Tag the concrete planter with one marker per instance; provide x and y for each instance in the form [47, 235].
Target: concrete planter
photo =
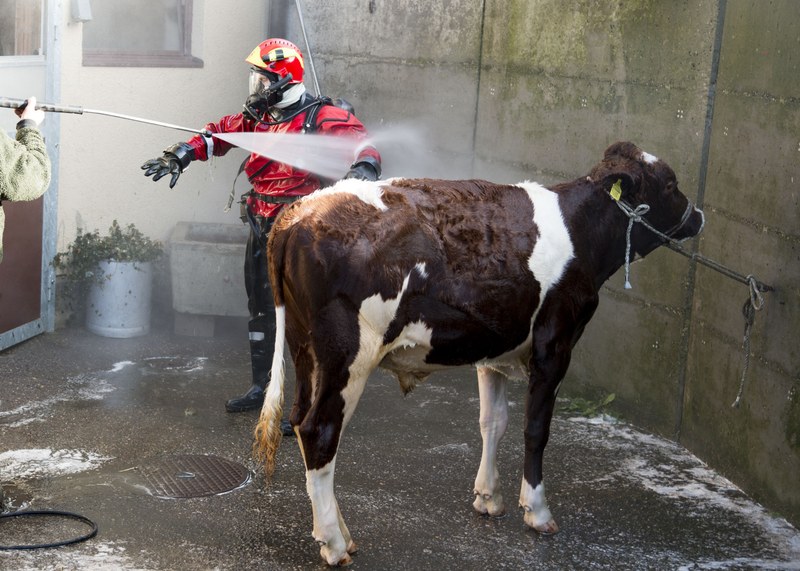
[119, 306]
[206, 267]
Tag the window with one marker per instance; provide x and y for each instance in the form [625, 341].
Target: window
[140, 33]
[21, 27]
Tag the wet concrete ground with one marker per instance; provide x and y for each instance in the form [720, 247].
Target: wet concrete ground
[82, 416]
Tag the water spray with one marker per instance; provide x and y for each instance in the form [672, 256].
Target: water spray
[58, 108]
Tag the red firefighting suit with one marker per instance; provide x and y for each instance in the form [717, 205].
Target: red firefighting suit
[273, 179]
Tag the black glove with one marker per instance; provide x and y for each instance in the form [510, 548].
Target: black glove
[364, 170]
[174, 161]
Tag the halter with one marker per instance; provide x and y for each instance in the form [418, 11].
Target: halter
[637, 215]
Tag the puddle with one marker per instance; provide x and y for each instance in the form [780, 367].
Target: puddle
[14, 497]
[95, 386]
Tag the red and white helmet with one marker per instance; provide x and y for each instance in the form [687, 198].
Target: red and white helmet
[280, 57]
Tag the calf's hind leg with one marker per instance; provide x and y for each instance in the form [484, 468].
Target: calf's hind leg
[339, 388]
[319, 435]
[493, 422]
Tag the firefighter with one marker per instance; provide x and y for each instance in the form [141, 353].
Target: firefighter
[278, 102]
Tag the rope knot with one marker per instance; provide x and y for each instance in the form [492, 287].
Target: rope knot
[634, 215]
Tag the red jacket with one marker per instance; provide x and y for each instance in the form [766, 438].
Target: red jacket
[269, 177]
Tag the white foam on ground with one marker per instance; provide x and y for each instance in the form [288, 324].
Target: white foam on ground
[689, 478]
[38, 462]
[119, 366]
[192, 365]
[87, 387]
[80, 388]
[91, 556]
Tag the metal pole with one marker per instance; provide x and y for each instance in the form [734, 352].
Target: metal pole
[57, 108]
[308, 47]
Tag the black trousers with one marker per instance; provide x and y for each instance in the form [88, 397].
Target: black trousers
[259, 300]
[256, 269]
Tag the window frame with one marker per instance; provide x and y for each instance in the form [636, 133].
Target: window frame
[155, 58]
[25, 59]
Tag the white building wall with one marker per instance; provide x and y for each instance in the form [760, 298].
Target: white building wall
[100, 157]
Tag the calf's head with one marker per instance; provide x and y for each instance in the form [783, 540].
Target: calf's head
[644, 179]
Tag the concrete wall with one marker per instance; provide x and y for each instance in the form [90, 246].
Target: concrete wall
[536, 89]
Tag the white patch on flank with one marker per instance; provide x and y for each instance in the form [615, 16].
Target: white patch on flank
[38, 462]
[553, 249]
[374, 317]
[377, 313]
[648, 158]
[422, 270]
[365, 190]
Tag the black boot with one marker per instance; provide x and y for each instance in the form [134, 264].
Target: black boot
[251, 400]
[262, 343]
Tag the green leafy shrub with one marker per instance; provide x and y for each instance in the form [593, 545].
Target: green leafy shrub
[79, 263]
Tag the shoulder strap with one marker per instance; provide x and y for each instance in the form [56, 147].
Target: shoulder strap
[310, 124]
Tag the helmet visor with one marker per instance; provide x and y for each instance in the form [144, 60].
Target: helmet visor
[260, 82]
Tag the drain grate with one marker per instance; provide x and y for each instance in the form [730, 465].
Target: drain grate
[194, 476]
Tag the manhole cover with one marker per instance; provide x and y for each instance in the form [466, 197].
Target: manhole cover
[194, 476]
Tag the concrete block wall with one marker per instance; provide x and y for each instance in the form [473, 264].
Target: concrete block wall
[509, 90]
[753, 212]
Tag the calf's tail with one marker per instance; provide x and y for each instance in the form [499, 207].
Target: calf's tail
[268, 430]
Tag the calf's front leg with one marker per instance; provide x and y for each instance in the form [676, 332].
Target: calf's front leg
[548, 368]
[493, 422]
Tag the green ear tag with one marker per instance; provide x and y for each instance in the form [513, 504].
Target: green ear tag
[616, 190]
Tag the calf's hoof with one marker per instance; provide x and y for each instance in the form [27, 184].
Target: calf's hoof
[333, 559]
[489, 505]
[548, 527]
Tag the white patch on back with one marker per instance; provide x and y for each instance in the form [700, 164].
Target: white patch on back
[648, 158]
[367, 191]
[553, 249]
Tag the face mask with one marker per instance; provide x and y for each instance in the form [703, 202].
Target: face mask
[260, 83]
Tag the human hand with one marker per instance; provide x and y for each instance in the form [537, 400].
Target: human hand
[29, 111]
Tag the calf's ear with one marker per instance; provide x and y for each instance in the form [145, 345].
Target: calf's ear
[621, 185]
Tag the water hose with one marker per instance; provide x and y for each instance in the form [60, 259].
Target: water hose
[51, 513]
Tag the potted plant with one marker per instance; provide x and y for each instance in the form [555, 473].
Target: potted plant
[117, 270]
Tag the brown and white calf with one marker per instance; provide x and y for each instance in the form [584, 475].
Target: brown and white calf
[418, 275]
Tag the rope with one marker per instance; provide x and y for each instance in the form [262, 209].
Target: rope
[83, 519]
[753, 303]
[634, 215]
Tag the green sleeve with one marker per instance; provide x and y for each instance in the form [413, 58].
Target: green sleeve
[24, 165]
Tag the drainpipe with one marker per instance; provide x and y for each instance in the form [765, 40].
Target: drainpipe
[686, 329]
